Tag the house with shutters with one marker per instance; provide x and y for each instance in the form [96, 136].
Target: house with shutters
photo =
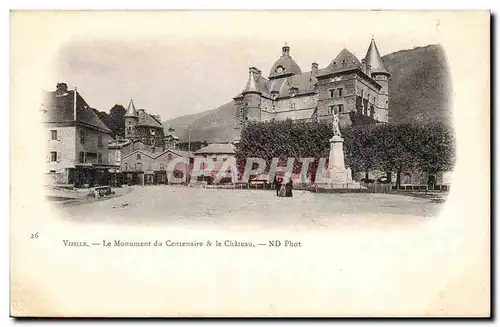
[77, 140]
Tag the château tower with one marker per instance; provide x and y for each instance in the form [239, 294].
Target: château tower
[131, 120]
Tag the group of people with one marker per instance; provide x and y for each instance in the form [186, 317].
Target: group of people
[283, 189]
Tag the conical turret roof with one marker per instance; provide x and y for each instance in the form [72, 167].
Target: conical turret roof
[373, 59]
[251, 84]
[131, 112]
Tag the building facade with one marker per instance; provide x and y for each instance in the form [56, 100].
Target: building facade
[345, 85]
[140, 125]
[145, 168]
[77, 140]
[220, 155]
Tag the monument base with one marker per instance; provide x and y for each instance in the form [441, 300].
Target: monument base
[335, 178]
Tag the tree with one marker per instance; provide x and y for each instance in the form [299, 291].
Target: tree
[359, 146]
[436, 147]
[117, 119]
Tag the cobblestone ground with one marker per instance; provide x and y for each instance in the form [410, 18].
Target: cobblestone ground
[181, 205]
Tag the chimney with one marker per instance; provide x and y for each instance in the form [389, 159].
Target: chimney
[314, 68]
[61, 88]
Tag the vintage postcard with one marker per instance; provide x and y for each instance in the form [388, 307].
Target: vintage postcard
[250, 164]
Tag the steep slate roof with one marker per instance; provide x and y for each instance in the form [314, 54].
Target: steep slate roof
[60, 109]
[131, 112]
[344, 61]
[251, 84]
[373, 59]
[146, 119]
[217, 148]
[306, 82]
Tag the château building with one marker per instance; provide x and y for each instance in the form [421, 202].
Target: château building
[345, 85]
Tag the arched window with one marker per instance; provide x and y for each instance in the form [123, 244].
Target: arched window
[138, 156]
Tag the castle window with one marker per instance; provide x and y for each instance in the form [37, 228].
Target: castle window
[129, 129]
[152, 141]
[53, 156]
[99, 141]
[169, 156]
[152, 149]
[340, 91]
[332, 93]
[129, 122]
[152, 131]
[126, 166]
[341, 108]
[99, 157]
[138, 156]
[53, 135]
[331, 110]
[82, 136]
[81, 157]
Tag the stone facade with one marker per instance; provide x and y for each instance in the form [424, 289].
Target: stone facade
[345, 85]
[77, 140]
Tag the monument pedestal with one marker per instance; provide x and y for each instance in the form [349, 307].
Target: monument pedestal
[339, 175]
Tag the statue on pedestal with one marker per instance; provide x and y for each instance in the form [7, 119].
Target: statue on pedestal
[335, 125]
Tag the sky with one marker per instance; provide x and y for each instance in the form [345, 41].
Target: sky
[174, 63]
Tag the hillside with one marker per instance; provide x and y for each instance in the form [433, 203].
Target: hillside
[419, 86]
[419, 91]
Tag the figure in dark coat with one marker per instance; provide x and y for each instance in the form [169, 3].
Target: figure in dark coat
[278, 185]
[289, 187]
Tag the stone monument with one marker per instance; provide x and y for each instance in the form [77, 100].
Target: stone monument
[340, 176]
